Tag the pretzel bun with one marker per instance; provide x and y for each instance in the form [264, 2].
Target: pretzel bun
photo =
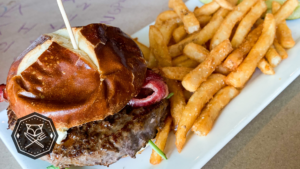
[74, 87]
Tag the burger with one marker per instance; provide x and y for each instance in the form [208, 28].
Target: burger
[104, 102]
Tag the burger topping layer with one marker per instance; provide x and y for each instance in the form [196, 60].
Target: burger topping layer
[157, 85]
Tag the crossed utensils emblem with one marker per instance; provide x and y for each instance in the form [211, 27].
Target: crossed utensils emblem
[35, 134]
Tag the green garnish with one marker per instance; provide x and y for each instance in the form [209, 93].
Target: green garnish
[170, 95]
[52, 167]
[205, 1]
[158, 151]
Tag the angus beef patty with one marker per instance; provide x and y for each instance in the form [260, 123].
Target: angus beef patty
[105, 141]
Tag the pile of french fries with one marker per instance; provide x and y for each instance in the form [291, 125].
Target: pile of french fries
[207, 56]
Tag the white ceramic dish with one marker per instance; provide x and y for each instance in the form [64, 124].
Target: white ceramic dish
[257, 94]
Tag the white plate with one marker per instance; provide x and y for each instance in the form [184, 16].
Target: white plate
[257, 94]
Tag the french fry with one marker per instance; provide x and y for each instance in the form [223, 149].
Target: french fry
[281, 51]
[273, 57]
[233, 2]
[145, 50]
[225, 4]
[211, 112]
[176, 73]
[177, 101]
[238, 55]
[190, 22]
[194, 79]
[203, 35]
[229, 22]
[188, 63]
[275, 7]
[165, 16]
[179, 33]
[204, 20]
[158, 47]
[207, 9]
[161, 139]
[265, 67]
[284, 35]
[285, 11]
[239, 78]
[179, 59]
[223, 70]
[247, 23]
[195, 52]
[167, 29]
[193, 108]
[152, 63]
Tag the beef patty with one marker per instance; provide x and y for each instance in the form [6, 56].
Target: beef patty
[105, 141]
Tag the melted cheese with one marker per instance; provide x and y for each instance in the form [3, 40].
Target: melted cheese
[62, 134]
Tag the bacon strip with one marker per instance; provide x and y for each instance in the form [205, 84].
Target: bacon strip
[3, 95]
[160, 91]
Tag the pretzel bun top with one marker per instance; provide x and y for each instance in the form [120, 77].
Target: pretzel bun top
[74, 87]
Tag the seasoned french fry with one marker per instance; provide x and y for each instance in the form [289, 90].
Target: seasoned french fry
[195, 52]
[203, 35]
[177, 101]
[188, 63]
[152, 63]
[207, 9]
[285, 11]
[229, 22]
[281, 51]
[158, 47]
[238, 55]
[204, 20]
[176, 73]
[239, 78]
[211, 112]
[275, 7]
[223, 70]
[225, 4]
[247, 23]
[166, 15]
[179, 59]
[145, 50]
[190, 22]
[265, 67]
[167, 29]
[179, 33]
[193, 108]
[194, 79]
[161, 139]
[273, 57]
[284, 35]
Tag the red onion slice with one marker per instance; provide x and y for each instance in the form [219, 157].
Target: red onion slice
[160, 91]
[3, 96]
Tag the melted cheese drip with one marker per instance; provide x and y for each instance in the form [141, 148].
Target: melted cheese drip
[62, 134]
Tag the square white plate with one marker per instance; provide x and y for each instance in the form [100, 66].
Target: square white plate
[257, 94]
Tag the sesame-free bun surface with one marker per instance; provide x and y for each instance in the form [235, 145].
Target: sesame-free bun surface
[74, 87]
